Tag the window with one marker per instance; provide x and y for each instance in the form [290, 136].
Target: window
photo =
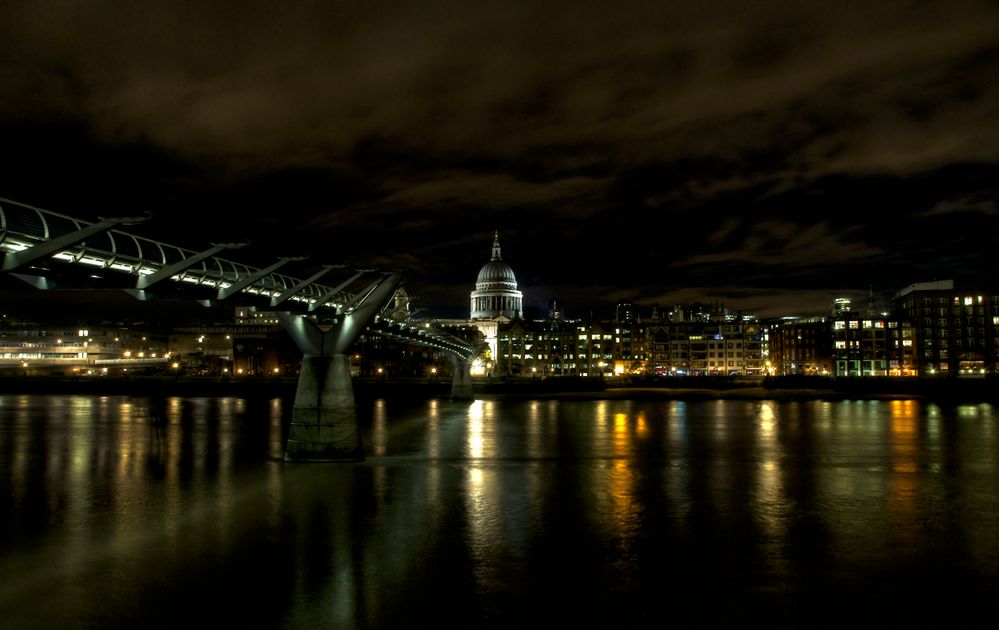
[840, 325]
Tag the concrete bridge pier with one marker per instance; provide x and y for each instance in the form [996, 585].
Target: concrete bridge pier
[323, 419]
[461, 384]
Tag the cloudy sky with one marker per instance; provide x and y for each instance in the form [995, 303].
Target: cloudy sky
[766, 154]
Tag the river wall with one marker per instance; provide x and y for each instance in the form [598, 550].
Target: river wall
[796, 388]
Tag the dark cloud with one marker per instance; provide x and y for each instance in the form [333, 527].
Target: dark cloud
[637, 149]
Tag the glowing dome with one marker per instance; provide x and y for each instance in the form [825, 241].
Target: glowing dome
[496, 293]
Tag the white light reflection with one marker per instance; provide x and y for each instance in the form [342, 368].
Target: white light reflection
[379, 431]
[433, 429]
[225, 498]
[482, 496]
[676, 476]
[275, 441]
[770, 504]
[275, 451]
[81, 455]
[534, 450]
[474, 441]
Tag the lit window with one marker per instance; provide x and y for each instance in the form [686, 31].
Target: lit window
[839, 325]
[854, 324]
[867, 323]
[968, 301]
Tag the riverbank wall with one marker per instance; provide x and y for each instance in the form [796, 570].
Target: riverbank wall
[687, 388]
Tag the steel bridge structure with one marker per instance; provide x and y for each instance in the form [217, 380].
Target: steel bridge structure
[53, 251]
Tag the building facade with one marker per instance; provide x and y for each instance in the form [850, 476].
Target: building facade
[956, 332]
[800, 346]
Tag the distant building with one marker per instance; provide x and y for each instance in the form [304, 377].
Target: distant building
[864, 344]
[494, 301]
[723, 348]
[956, 331]
[570, 348]
[800, 346]
[624, 313]
[34, 348]
[496, 294]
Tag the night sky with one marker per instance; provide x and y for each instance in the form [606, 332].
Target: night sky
[768, 154]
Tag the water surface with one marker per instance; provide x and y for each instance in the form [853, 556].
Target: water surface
[118, 511]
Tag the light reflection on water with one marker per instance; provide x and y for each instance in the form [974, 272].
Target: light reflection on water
[125, 511]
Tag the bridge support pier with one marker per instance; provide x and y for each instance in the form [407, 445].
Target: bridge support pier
[461, 384]
[323, 419]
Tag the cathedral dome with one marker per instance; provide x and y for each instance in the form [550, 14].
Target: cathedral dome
[496, 271]
[496, 293]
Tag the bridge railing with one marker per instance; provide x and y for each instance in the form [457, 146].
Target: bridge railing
[23, 226]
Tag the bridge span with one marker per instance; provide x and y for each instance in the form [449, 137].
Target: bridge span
[53, 251]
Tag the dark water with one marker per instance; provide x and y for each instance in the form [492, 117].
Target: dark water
[166, 513]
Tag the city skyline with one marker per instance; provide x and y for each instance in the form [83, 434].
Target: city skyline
[770, 158]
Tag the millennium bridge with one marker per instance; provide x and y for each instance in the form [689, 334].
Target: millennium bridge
[53, 251]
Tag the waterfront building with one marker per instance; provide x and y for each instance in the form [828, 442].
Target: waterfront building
[555, 347]
[956, 332]
[868, 344]
[35, 348]
[725, 345]
[800, 346]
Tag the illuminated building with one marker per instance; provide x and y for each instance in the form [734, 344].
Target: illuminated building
[34, 348]
[871, 345]
[732, 345]
[495, 300]
[555, 347]
[956, 331]
[496, 293]
[800, 346]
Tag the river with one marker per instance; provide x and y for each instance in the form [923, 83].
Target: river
[166, 512]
